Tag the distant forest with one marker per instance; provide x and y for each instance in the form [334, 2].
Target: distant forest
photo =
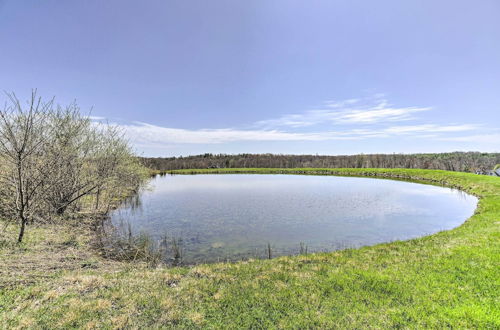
[455, 161]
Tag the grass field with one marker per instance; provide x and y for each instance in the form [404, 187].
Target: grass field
[449, 279]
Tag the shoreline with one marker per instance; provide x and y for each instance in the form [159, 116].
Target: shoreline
[445, 279]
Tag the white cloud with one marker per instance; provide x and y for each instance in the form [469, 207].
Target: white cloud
[379, 114]
[97, 118]
[352, 111]
[349, 119]
[142, 134]
[147, 134]
[430, 128]
[493, 138]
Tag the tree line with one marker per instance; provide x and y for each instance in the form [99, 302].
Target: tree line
[454, 161]
[56, 162]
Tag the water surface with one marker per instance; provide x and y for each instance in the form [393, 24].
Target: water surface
[236, 216]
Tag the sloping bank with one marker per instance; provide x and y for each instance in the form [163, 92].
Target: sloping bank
[449, 279]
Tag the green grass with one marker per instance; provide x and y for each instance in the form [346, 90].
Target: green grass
[449, 279]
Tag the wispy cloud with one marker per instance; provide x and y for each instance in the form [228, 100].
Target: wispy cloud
[147, 134]
[493, 138]
[353, 119]
[430, 128]
[97, 118]
[352, 111]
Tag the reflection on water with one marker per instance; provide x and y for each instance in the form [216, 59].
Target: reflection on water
[236, 216]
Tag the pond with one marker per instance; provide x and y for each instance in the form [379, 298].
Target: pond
[238, 216]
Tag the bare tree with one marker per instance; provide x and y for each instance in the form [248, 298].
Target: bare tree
[23, 141]
[90, 158]
[72, 148]
[54, 158]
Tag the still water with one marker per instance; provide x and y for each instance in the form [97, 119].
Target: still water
[236, 216]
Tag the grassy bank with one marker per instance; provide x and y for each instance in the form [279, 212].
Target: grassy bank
[449, 279]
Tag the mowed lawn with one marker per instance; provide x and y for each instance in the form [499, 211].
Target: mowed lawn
[449, 279]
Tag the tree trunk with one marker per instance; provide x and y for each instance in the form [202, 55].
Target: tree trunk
[61, 210]
[97, 195]
[21, 232]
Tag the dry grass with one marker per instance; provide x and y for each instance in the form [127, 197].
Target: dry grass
[47, 250]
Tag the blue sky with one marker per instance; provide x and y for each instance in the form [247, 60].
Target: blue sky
[327, 77]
